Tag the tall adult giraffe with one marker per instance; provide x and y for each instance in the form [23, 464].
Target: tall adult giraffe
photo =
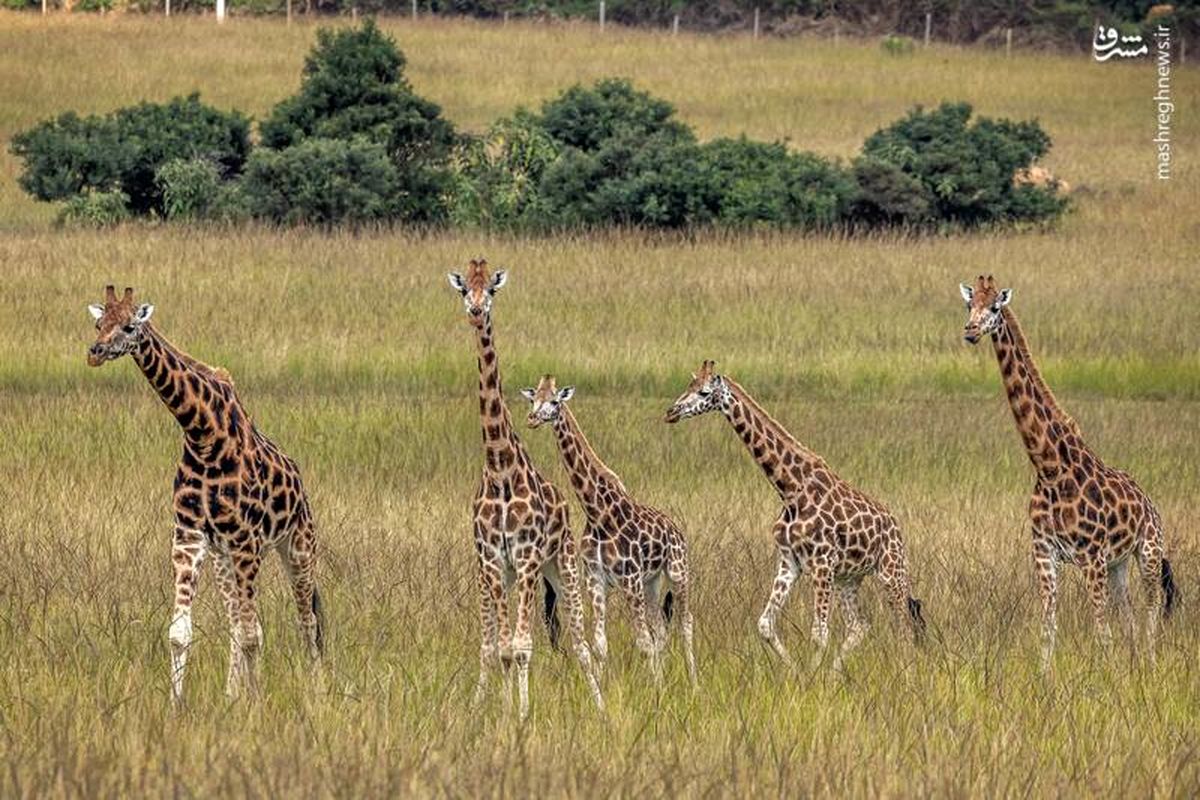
[522, 528]
[827, 528]
[625, 543]
[236, 496]
[1083, 511]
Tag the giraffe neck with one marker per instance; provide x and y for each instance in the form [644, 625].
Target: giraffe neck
[500, 442]
[786, 463]
[588, 473]
[196, 394]
[1043, 425]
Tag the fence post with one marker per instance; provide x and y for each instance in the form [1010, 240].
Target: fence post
[674, 24]
[43, 8]
[289, 12]
[506, 18]
[220, 11]
[756, 22]
[1008, 42]
[166, 7]
[602, 16]
[928, 26]
[354, 13]
[414, 10]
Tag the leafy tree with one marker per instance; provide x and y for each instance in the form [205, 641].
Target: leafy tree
[965, 169]
[353, 88]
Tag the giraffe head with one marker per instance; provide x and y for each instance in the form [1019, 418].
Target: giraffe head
[984, 304]
[477, 289]
[119, 325]
[546, 401]
[708, 391]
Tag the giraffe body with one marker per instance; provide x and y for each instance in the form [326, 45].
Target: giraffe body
[521, 522]
[626, 545]
[236, 495]
[1083, 512]
[826, 529]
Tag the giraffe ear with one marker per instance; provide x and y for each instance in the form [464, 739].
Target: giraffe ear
[96, 311]
[457, 282]
[498, 280]
[528, 394]
[566, 393]
[967, 292]
[143, 313]
[1004, 298]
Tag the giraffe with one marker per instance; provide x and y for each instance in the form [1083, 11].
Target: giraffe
[1082, 511]
[826, 528]
[236, 494]
[521, 523]
[625, 543]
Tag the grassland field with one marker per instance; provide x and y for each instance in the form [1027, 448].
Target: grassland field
[353, 354]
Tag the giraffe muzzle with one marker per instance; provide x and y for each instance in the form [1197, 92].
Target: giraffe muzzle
[97, 354]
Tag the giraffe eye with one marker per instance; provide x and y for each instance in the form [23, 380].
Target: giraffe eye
[127, 329]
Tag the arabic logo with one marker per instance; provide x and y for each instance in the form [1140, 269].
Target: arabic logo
[1105, 45]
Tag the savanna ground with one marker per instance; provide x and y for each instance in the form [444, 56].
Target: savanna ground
[353, 353]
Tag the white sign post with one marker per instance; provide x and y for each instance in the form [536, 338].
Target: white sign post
[220, 10]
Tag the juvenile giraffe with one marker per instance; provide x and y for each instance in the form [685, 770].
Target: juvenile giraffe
[827, 528]
[522, 530]
[236, 494]
[1083, 511]
[625, 543]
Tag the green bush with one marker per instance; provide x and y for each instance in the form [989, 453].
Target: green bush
[94, 209]
[765, 183]
[498, 176]
[323, 182]
[124, 150]
[190, 188]
[888, 195]
[353, 88]
[586, 118]
[966, 169]
[630, 180]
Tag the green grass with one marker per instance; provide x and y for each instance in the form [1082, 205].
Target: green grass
[351, 351]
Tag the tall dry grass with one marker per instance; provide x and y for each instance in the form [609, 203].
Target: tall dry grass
[351, 352]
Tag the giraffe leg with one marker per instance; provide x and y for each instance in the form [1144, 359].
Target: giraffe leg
[491, 597]
[785, 578]
[298, 554]
[568, 575]
[634, 589]
[680, 584]
[1150, 564]
[598, 590]
[1118, 593]
[187, 555]
[856, 624]
[246, 564]
[1046, 565]
[522, 638]
[822, 602]
[223, 569]
[1095, 575]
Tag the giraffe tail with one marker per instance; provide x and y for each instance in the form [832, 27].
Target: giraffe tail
[917, 619]
[319, 612]
[668, 606]
[550, 613]
[1170, 592]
